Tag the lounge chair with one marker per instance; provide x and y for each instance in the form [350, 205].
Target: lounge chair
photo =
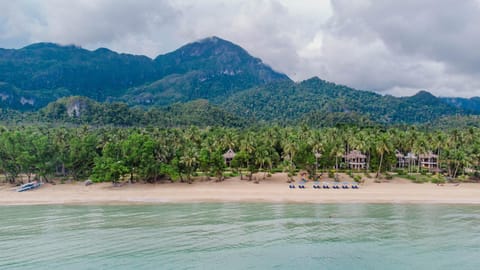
[335, 186]
[354, 186]
[345, 185]
[291, 186]
[316, 185]
[301, 185]
[326, 185]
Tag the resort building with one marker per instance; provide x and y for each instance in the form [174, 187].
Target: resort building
[228, 156]
[401, 163]
[355, 160]
[404, 161]
[428, 161]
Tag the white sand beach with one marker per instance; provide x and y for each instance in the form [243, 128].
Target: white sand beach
[272, 189]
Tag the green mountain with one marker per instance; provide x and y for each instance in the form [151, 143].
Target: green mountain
[37, 74]
[41, 69]
[472, 104]
[316, 101]
[209, 82]
[211, 69]
[82, 110]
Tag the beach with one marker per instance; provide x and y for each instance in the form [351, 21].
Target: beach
[273, 189]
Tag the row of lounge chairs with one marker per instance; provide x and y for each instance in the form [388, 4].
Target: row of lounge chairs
[326, 185]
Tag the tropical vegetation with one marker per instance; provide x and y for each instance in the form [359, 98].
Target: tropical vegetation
[152, 154]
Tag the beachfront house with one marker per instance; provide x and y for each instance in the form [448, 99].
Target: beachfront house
[428, 161]
[404, 161]
[228, 157]
[356, 160]
[401, 162]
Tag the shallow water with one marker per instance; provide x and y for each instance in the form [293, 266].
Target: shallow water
[240, 236]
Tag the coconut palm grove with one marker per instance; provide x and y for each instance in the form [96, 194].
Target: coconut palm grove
[152, 154]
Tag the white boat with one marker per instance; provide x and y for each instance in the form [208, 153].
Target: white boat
[29, 186]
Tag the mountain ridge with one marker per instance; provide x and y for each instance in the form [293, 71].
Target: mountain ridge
[218, 71]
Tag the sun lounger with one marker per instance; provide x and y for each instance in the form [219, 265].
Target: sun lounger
[335, 186]
[291, 186]
[301, 185]
[354, 186]
[345, 185]
[316, 185]
[326, 185]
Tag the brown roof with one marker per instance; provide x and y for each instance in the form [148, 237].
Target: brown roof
[428, 155]
[355, 154]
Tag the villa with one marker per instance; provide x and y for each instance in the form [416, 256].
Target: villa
[228, 156]
[429, 161]
[355, 160]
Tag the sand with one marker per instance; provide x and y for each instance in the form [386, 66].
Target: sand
[273, 189]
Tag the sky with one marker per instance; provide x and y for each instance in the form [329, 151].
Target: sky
[395, 47]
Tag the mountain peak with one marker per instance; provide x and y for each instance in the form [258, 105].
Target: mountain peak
[425, 97]
[49, 45]
[424, 94]
[212, 47]
[212, 39]
[41, 45]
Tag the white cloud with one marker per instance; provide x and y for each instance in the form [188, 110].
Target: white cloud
[389, 46]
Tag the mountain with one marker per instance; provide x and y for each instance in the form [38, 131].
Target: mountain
[209, 68]
[325, 101]
[82, 110]
[472, 104]
[41, 69]
[208, 82]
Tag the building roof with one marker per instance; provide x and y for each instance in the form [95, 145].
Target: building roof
[410, 155]
[428, 155]
[355, 154]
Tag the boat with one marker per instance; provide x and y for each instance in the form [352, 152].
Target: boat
[29, 186]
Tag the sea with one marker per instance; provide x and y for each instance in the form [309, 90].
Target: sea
[240, 236]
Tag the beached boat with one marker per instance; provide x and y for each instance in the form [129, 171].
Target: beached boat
[29, 186]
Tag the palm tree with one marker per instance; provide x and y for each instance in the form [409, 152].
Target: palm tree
[383, 146]
[190, 161]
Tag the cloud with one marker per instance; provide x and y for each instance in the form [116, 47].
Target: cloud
[401, 46]
[389, 46]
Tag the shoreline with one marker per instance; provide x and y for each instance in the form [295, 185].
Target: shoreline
[271, 190]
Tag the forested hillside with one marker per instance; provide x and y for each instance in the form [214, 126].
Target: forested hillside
[84, 111]
[40, 73]
[210, 82]
[316, 101]
[472, 104]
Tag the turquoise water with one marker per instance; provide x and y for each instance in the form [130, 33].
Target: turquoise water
[240, 236]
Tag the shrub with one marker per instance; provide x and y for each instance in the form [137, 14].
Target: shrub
[357, 178]
[438, 179]
[277, 170]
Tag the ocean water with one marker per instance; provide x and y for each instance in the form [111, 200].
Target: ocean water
[240, 236]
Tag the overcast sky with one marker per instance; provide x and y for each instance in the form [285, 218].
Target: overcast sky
[389, 46]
